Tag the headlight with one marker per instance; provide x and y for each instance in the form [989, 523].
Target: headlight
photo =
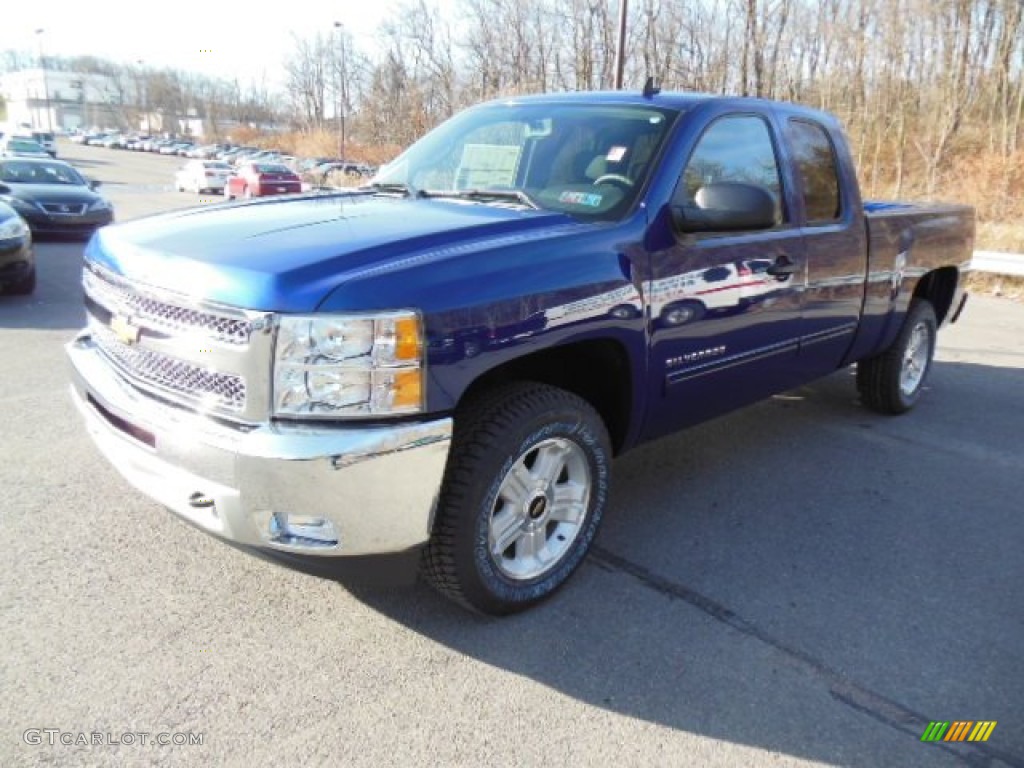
[12, 228]
[99, 205]
[346, 366]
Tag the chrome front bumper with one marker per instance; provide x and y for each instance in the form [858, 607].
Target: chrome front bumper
[345, 491]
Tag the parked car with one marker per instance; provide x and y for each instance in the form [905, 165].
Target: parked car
[16, 146]
[321, 425]
[202, 175]
[46, 140]
[53, 197]
[261, 180]
[17, 258]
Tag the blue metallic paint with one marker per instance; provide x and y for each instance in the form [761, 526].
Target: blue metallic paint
[495, 284]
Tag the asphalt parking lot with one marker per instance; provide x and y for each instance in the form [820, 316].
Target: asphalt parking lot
[803, 582]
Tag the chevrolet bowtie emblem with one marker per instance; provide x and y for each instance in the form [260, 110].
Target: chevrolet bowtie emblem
[124, 330]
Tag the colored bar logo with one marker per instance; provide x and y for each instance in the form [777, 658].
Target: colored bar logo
[958, 730]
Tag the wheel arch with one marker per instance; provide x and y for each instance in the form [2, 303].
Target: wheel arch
[598, 370]
[938, 288]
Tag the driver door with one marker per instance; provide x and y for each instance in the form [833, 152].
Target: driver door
[725, 331]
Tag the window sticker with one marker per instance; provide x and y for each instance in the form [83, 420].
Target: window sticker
[588, 199]
[615, 154]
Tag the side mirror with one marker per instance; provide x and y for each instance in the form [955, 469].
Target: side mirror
[95, 184]
[728, 206]
[4, 189]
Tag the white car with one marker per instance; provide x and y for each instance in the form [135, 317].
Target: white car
[199, 175]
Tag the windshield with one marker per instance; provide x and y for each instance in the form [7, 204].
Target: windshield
[14, 172]
[582, 159]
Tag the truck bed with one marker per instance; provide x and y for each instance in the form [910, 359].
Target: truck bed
[906, 240]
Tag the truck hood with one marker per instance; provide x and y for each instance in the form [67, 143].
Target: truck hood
[286, 255]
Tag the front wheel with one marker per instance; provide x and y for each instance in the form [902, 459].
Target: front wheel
[524, 492]
[892, 382]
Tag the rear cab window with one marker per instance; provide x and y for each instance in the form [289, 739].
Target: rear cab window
[815, 160]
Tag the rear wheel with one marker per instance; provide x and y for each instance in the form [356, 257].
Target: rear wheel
[524, 492]
[892, 382]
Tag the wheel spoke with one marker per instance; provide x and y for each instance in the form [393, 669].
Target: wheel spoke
[530, 544]
[550, 462]
[506, 528]
[568, 505]
[517, 486]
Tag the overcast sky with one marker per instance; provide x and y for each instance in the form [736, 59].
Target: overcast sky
[214, 37]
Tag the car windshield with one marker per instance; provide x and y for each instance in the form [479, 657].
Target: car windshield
[217, 166]
[14, 172]
[586, 160]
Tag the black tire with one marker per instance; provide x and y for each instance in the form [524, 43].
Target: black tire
[893, 381]
[24, 287]
[495, 436]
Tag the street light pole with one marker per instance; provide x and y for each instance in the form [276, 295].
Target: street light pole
[46, 85]
[341, 89]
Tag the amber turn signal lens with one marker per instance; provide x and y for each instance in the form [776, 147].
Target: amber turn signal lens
[407, 339]
[408, 390]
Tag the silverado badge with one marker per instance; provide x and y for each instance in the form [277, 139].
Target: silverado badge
[124, 330]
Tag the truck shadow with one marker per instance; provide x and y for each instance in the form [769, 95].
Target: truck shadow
[784, 578]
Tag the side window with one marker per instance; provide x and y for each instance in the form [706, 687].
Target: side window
[816, 163]
[733, 149]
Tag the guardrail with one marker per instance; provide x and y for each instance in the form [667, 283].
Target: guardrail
[998, 263]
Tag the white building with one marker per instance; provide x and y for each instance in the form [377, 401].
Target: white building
[57, 100]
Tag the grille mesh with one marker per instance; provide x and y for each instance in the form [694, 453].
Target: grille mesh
[156, 369]
[164, 316]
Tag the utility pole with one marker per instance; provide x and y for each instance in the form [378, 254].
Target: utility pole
[46, 85]
[144, 93]
[341, 89]
[620, 49]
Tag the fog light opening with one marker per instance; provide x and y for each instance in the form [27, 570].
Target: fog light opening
[301, 530]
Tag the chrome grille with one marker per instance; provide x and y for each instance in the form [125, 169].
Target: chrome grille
[201, 385]
[176, 319]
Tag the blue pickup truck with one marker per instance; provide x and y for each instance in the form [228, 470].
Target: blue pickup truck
[436, 370]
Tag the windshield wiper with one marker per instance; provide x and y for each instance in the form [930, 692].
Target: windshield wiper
[396, 187]
[517, 195]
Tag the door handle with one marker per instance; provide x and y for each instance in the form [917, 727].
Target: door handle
[783, 267]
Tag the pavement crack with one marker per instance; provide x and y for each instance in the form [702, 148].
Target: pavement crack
[842, 689]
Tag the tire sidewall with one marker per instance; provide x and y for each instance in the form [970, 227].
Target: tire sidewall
[562, 423]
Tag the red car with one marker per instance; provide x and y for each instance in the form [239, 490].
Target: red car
[262, 179]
